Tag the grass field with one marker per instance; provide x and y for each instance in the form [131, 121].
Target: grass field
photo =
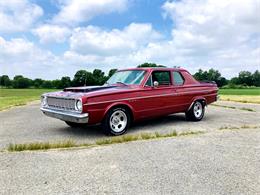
[240, 95]
[241, 98]
[17, 97]
[251, 92]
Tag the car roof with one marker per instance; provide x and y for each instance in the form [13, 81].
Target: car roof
[154, 68]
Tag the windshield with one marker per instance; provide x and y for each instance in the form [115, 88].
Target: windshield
[128, 77]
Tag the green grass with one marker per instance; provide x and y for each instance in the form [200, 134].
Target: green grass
[251, 92]
[105, 141]
[17, 97]
[41, 146]
[241, 98]
[240, 95]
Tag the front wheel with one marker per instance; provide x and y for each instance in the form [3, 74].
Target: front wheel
[116, 121]
[196, 113]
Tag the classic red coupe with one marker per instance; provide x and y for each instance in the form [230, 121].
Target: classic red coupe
[131, 95]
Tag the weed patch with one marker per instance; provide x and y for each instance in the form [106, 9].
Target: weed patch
[106, 141]
[237, 128]
[40, 146]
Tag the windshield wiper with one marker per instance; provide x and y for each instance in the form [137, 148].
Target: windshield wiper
[118, 82]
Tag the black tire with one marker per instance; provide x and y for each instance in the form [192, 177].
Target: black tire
[72, 124]
[193, 115]
[107, 124]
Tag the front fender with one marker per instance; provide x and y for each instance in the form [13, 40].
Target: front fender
[115, 104]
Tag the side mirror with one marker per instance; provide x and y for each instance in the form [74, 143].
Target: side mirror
[155, 84]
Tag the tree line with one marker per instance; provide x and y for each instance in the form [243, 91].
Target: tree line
[81, 78]
[98, 77]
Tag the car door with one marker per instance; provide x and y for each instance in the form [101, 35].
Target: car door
[157, 100]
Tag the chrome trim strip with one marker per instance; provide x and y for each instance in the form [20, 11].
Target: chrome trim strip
[61, 97]
[66, 116]
[144, 97]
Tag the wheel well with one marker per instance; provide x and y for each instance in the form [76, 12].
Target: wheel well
[201, 101]
[125, 107]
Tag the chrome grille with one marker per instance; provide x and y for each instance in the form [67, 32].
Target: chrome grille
[61, 103]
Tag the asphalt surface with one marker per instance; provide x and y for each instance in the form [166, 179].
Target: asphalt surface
[217, 162]
[221, 162]
[27, 124]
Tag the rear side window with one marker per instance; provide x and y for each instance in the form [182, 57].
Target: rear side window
[177, 78]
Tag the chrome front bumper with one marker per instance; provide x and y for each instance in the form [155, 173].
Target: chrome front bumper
[66, 116]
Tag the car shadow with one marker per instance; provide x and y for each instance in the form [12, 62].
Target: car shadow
[159, 122]
[86, 131]
[96, 131]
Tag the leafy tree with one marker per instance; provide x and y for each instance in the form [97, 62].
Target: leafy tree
[146, 64]
[65, 82]
[37, 83]
[201, 75]
[234, 81]
[111, 72]
[256, 78]
[99, 77]
[56, 84]
[245, 78]
[82, 78]
[5, 81]
[211, 75]
[47, 84]
[222, 82]
[21, 82]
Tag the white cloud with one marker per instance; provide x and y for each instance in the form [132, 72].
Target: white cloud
[216, 33]
[18, 15]
[214, 23]
[94, 40]
[52, 33]
[207, 33]
[19, 56]
[76, 11]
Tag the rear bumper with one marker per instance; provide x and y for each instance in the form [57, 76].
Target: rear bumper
[66, 116]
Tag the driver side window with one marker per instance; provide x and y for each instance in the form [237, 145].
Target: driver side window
[162, 77]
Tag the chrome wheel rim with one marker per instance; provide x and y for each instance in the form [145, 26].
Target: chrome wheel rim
[197, 109]
[118, 121]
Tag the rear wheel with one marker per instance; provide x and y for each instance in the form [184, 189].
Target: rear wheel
[71, 124]
[116, 121]
[196, 113]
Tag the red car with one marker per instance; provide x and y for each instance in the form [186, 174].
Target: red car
[131, 95]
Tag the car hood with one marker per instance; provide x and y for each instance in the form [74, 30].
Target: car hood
[91, 91]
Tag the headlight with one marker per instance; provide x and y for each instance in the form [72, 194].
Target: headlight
[78, 105]
[44, 101]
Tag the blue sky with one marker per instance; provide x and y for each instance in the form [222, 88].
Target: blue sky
[53, 38]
